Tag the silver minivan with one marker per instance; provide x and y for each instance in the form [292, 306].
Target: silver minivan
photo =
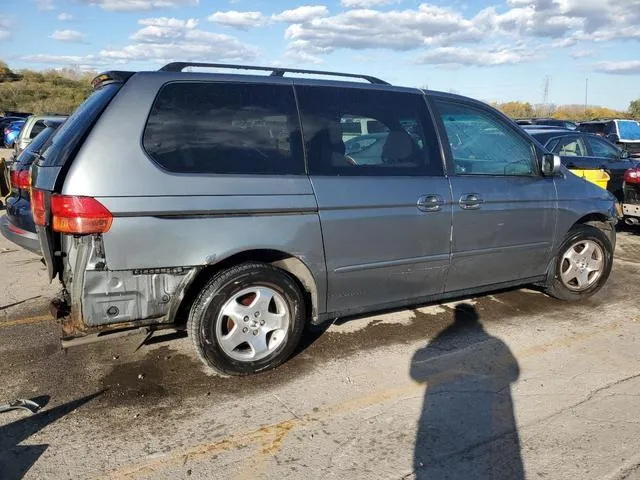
[227, 205]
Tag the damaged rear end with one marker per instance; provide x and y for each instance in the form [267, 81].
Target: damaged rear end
[95, 301]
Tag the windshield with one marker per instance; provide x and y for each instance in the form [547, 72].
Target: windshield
[629, 130]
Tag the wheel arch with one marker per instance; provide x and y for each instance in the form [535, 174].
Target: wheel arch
[282, 260]
[600, 221]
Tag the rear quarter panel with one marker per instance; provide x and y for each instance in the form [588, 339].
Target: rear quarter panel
[164, 219]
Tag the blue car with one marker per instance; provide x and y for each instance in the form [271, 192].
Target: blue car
[11, 133]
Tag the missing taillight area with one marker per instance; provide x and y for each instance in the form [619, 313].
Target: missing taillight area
[71, 214]
[79, 215]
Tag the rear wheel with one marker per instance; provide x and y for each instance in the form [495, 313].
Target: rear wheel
[582, 265]
[247, 319]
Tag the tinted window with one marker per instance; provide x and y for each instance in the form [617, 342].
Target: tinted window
[225, 128]
[571, 147]
[483, 144]
[73, 130]
[38, 144]
[551, 146]
[600, 148]
[36, 129]
[400, 138]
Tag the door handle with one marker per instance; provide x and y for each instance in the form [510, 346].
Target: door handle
[470, 201]
[430, 203]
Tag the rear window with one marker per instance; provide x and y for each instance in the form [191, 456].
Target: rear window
[73, 130]
[36, 129]
[224, 128]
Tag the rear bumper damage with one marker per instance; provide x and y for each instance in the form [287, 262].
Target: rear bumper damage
[99, 302]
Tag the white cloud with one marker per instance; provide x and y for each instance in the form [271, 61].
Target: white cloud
[629, 67]
[396, 30]
[164, 39]
[210, 47]
[45, 4]
[163, 28]
[65, 17]
[169, 22]
[239, 20]
[480, 57]
[5, 28]
[71, 36]
[366, 3]
[305, 13]
[582, 54]
[579, 20]
[82, 61]
[140, 5]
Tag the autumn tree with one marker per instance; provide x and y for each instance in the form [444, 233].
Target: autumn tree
[634, 109]
[516, 109]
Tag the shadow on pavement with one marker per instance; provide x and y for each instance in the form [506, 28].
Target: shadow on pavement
[467, 427]
[16, 460]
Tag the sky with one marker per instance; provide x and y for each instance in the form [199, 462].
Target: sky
[498, 50]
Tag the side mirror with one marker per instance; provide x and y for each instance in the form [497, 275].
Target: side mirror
[624, 155]
[550, 164]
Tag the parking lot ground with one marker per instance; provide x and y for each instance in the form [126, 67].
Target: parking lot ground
[509, 385]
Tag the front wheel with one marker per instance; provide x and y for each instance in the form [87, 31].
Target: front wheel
[247, 319]
[583, 264]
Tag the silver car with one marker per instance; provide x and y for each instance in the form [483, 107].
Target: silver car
[227, 205]
[32, 127]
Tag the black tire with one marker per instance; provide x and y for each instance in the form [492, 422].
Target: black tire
[222, 287]
[556, 287]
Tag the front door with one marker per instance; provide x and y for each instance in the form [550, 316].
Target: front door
[384, 203]
[504, 210]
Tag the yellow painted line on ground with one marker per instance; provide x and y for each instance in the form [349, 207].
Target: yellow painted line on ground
[25, 321]
[269, 438]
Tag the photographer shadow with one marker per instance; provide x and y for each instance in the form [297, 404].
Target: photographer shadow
[467, 427]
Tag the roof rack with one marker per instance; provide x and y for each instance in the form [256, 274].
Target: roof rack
[275, 71]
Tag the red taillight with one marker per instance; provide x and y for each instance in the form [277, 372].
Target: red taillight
[632, 175]
[73, 215]
[38, 208]
[79, 215]
[20, 179]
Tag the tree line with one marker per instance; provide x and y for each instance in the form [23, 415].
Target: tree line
[50, 91]
[576, 113]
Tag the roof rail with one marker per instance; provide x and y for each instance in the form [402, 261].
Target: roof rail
[275, 71]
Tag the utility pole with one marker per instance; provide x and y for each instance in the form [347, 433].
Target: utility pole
[586, 94]
[545, 95]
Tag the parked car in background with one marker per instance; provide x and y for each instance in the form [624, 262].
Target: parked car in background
[12, 113]
[550, 122]
[32, 127]
[229, 207]
[624, 133]
[585, 151]
[17, 225]
[11, 133]
[631, 206]
[5, 121]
